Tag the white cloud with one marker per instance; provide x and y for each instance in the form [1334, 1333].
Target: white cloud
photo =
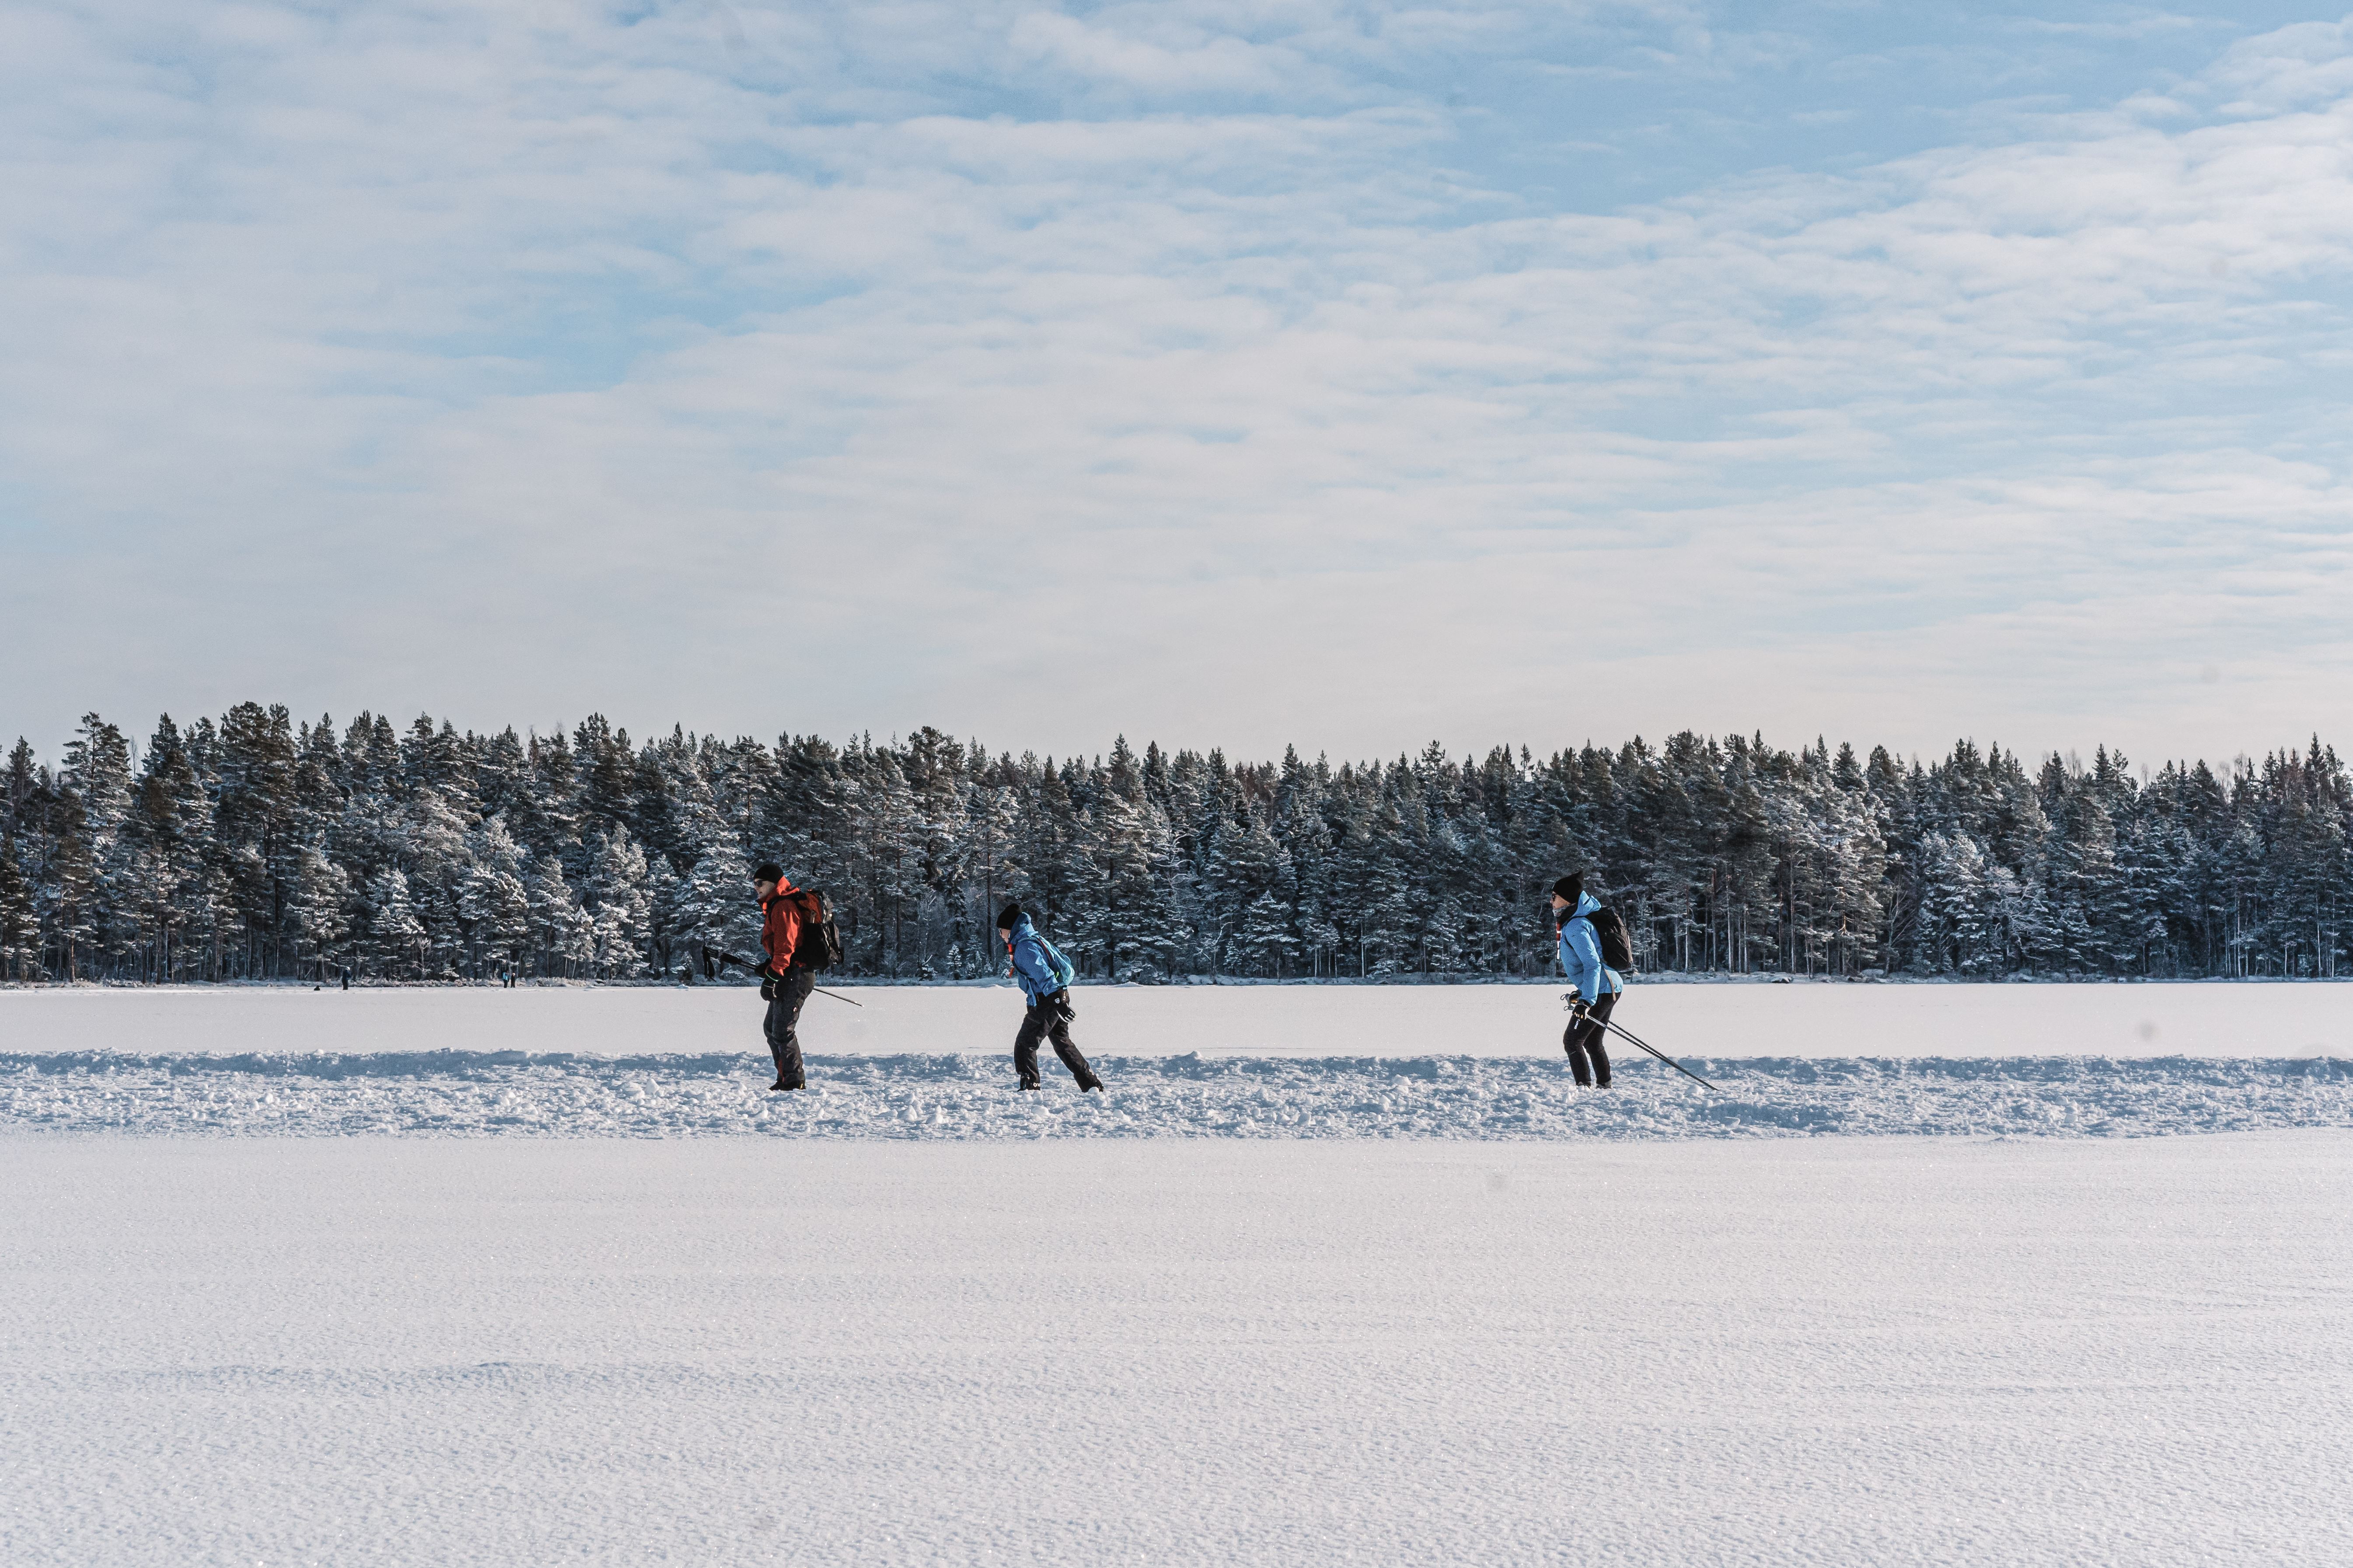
[2302, 67]
[447, 358]
[1197, 62]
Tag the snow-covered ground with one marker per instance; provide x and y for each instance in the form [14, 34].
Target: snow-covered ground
[972, 1097]
[718, 1351]
[1721, 1020]
[1331, 1274]
[1465, 1062]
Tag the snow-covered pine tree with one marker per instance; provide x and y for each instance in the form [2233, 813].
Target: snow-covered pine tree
[321, 921]
[20, 927]
[396, 942]
[557, 929]
[1726, 854]
[622, 906]
[493, 902]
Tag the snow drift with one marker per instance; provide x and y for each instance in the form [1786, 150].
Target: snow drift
[507, 1093]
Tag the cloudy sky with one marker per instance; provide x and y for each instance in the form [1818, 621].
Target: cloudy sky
[1351, 374]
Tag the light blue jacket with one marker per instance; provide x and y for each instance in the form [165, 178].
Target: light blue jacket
[1037, 966]
[1580, 954]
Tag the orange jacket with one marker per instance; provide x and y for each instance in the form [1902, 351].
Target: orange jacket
[780, 926]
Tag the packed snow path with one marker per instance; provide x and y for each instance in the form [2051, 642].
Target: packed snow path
[723, 1351]
[967, 1096]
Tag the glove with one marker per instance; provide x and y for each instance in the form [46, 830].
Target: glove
[767, 986]
[1576, 1004]
[1060, 1002]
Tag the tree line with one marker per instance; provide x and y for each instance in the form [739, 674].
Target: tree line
[261, 848]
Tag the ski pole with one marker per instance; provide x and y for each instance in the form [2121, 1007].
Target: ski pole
[1661, 1054]
[711, 957]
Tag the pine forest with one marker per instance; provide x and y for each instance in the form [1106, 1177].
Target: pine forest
[258, 847]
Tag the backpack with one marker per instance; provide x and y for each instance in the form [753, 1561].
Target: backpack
[1064, 970]
[1609, 936]
[819, 944]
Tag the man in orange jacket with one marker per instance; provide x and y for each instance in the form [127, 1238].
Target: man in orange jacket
[783, 986]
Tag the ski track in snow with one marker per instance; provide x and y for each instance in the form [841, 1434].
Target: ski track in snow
[970, 1097]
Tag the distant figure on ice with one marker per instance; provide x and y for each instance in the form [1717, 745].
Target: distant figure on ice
[784, 985]
[1045, 976]
[1597, 983]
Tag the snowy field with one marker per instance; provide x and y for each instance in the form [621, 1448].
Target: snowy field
[1724, 1019]
[1466, 1062]
[718, 1351]
[1331, 1274]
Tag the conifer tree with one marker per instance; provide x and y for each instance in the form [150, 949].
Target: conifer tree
[20, 930]
[621, 902]
[214, 854]
[72, 885]
[396, 946]
[322, 892]
[562, 938]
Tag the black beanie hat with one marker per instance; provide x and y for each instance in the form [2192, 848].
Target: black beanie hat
[1011, 915]
[1570, 888]
[768, 871]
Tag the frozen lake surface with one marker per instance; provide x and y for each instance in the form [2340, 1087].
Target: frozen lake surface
[1331, 1274]
[1723, 1020]
[718, 1351]
[1460, 1062]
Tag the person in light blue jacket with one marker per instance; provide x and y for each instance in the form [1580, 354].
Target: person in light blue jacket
[1597, 983]
[1044, 975]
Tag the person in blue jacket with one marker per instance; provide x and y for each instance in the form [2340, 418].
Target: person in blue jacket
[1045, 976]
[1597, 983]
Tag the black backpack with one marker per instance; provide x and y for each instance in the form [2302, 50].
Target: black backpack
[819, 946]
[1609, 936]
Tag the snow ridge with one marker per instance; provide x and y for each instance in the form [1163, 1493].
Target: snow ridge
[957, 1096]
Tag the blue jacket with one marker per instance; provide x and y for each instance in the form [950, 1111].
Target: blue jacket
[1040, 968]
[1580, 954]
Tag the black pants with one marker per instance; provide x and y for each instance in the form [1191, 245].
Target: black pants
[1049, 1019]
[792, 991]
[1583, 1039]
